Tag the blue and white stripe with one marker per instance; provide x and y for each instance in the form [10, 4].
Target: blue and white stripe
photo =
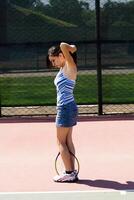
[64, 87]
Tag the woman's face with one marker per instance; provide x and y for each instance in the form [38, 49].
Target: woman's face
[57, 61]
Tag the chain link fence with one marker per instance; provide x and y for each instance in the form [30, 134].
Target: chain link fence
[117, 56]
[117, 79]
[32, 92]
[26, 83]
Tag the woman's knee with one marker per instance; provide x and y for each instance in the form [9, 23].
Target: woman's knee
[63, 147]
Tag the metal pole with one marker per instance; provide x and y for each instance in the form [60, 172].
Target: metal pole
[3, 21]
[98, 46]
[3, 38]
[0, 105]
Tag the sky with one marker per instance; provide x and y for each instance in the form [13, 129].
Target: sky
[92, 2]
[45, 1]
[103, 1]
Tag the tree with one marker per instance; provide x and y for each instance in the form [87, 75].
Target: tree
[117, 20]
[84, 5]
[26, 3]
[68, 10]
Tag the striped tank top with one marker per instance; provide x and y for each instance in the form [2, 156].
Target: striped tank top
[64, 87]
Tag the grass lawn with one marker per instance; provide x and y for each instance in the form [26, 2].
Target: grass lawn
[28, 91]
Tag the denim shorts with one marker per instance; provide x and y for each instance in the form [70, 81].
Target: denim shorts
[67, 115]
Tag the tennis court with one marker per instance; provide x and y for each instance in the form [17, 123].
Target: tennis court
[104, 148]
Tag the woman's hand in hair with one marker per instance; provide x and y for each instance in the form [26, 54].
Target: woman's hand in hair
[70, 47]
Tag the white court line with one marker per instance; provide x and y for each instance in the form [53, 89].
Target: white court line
[122, 192]
[71, 195]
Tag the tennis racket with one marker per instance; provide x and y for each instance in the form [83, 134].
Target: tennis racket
[59, 167]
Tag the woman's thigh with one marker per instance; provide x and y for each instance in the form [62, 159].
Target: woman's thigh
[62, 134]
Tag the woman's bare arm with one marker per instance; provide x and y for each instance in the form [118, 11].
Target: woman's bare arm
[66, 50]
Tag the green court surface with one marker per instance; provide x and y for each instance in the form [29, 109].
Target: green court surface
[70, 195]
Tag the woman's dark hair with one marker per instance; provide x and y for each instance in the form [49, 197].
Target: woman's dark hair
[52, 51]
[74, 56]
[55, 51]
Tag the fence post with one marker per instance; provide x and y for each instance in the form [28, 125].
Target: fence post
[3, 21]
[0, 105]
[98, 56]
[3, 38]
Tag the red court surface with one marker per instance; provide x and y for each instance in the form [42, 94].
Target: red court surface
[105, 150]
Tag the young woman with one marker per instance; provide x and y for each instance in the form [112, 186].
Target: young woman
[63, 57]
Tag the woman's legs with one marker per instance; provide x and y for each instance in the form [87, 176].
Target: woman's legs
[71, 147]
[64, 137]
